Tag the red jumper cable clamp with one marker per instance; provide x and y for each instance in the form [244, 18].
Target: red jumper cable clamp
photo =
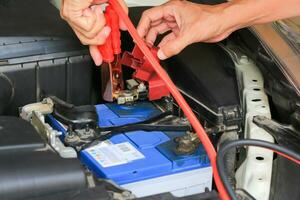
[111, 70]
[145, 72]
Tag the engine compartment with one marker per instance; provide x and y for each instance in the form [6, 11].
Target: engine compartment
[225, 88]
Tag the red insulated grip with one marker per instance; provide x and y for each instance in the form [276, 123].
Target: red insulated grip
[106, 49]
[115, 29]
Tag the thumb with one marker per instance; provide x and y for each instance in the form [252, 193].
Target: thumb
[171, 46]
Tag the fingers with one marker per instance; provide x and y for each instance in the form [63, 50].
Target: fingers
[149, 16]
[88, 22]
[100, 1]
[86, 19]
[96, 55]
[99, 23]
[99, 39]
[172, 45]
[124, 6]
[166, 39]
[155, 31]
[84, 22]
[159, 20]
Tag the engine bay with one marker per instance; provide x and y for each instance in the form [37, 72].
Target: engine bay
[70, 130]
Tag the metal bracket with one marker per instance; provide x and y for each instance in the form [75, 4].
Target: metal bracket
[254, 175]
[34, 113]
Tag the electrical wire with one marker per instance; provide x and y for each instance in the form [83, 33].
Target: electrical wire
[280, 150]
[211, 152]
[162, 122]
[151, 120]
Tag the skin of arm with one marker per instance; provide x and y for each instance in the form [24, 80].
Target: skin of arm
[187, 22]
[243, 13]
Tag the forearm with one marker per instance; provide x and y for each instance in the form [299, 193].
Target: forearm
[242, 13]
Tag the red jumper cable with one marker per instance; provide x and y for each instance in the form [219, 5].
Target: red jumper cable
[176, 94]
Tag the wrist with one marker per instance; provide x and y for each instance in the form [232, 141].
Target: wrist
[243, 13]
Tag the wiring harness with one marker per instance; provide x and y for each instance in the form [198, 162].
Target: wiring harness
[280, 150]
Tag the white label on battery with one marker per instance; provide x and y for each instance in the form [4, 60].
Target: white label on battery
[129, 152]
[114, 154]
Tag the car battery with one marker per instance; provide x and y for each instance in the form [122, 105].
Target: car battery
[145, 162]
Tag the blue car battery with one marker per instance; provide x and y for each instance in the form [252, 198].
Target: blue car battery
[145, 162]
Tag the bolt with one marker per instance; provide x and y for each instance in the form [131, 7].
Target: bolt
[184, 120]
[142, 87]
[244, 59]
[127, 93]
[58, 133]
[116, 75]
[44, 101]
[126, 194]
[87, 128]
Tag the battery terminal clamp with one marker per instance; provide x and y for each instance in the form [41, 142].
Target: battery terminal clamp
[145, 72]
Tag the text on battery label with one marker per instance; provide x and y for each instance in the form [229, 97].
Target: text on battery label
[115, 154]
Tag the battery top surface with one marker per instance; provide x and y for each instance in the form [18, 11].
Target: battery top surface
[137, 155]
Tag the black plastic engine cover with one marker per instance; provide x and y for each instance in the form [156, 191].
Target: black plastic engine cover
[205, 74]
[25, 175]
[17, 134]
[33, 27]
[40, 54]
[29, 171]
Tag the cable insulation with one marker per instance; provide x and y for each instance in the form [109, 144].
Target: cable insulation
[280, 150]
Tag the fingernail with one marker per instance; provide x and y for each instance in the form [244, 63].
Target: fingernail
[149, 43]
[161, 55]
[97, 62]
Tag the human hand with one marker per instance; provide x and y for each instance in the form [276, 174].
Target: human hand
[187, 23]
[88, 22]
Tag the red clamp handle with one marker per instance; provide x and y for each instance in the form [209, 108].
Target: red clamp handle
[115, 29]
[113, 42]
[106, 49]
